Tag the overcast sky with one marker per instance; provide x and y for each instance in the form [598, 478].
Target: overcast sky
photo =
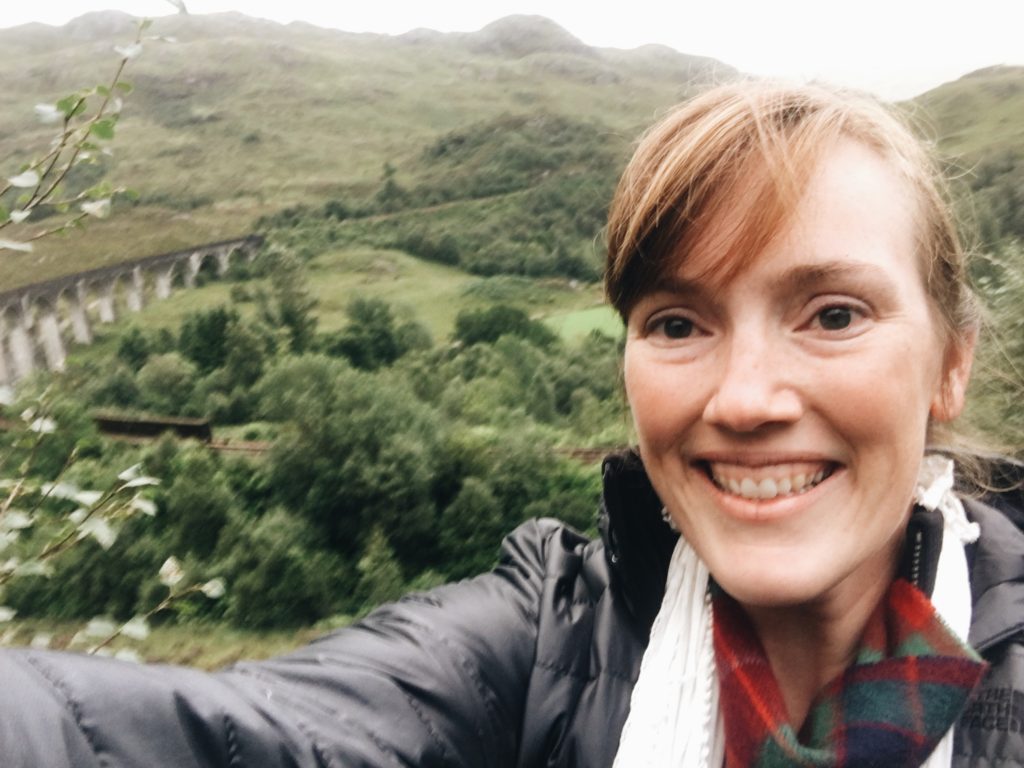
[897, 48]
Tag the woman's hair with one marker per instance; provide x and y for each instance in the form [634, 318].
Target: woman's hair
[754, 145]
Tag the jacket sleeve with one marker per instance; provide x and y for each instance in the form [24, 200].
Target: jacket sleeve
[438, 679]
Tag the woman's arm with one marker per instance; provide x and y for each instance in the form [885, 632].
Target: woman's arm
[438, 679]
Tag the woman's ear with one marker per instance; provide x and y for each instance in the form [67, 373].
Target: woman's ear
[949, 400]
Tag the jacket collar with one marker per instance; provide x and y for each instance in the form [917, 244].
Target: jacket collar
[997, 576]
[639, 544]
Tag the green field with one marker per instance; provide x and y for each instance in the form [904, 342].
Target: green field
[571, 325]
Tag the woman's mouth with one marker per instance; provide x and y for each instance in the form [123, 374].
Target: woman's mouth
[770, 481]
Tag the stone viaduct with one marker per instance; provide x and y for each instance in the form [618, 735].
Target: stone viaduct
[38, 321]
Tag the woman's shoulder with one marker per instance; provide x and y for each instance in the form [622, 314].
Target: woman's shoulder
[997, 572]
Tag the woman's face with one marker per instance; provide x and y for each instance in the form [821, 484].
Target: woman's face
[782, 417]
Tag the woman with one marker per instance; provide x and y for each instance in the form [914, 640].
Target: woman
[799, 329]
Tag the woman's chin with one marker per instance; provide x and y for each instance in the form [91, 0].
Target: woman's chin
[763, 589]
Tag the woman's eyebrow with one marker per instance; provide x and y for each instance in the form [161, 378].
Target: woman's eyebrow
[797, 279]
[805, 277]
[677, 286]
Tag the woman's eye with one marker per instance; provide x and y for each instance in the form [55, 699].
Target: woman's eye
[677, 327]
[835, 318]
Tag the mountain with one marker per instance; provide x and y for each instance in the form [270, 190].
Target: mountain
[241, 117]
[977, 122]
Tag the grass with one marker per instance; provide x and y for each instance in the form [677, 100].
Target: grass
[573, 325]
[241, 117]
[430, 293]
[202, 646]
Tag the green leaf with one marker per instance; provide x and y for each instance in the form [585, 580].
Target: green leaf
[102, 90]
[4, 213]
[125, 87]
[78, 109]
[103, 129]
[67, 104]
[145, 24]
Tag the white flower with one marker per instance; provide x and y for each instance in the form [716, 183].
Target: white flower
[131, 473]
[26, 180]
[6, 614]
[61, 490]
[43, 426]
[48, 113]
[35, 568]
[15, 520]
[99, 627]
[171, 572]
[127, 654]
[19, 216]
[41, 641]
[13, 245]
[98, 208]
[145, 506]
[100, 530]
[213, 589]
[87, 498]
[129, 51]
[136, 629]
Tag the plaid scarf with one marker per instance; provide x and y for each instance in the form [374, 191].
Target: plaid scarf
[909, 682]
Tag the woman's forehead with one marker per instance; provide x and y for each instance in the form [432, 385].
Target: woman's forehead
[851, 198]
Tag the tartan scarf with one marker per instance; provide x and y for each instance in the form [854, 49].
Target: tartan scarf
[909, 682]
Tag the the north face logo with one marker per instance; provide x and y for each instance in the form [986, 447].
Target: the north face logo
[996, 709]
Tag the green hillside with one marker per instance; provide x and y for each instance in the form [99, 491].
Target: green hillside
[493, 151]
[241, 118]
[978, 123]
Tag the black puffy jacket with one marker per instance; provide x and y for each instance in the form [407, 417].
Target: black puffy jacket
[530, 665]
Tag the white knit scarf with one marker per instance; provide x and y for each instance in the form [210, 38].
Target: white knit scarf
[674, 718]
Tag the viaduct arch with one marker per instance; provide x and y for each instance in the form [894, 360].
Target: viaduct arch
[39, 321]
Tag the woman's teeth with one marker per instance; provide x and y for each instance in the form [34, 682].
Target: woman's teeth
[769, 487]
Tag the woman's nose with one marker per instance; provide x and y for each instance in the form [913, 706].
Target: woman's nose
[753, 389]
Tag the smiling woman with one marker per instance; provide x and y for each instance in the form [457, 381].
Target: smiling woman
[785, 576]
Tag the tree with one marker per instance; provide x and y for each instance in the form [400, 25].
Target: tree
[277, 576]
[475, 326]
[198, 504]
[134, 348]
[166, 383]
[372, 338]
[204, 337]
[471, 529]
[380, 575]
[288, 304]
[355, 450]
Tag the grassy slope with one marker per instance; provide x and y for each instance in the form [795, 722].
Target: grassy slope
[979, 115]
[242, 117]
